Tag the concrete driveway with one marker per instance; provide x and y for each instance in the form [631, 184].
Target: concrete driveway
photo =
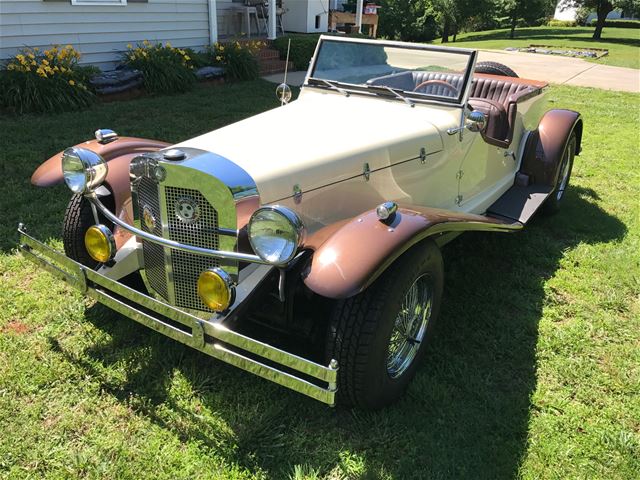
[566, 70]
[549, 68]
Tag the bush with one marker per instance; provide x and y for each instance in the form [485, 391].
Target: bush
[561, 23]
[238, 59]
[303, 46]
[302, 49]
[618, 23]
[45, 81]
[165, 69]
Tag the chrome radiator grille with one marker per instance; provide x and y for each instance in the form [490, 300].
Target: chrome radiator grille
[154, 263]
[200, 230]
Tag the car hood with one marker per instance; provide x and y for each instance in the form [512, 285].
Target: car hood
[324, 138]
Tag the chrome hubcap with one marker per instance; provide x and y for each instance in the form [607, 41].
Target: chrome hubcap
[410, 326]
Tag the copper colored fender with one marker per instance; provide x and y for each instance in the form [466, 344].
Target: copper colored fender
[349, 256]
[118, 154]
[542, 158]
[50, 172]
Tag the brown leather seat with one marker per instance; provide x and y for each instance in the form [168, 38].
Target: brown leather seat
[497, 119]
[496, 97]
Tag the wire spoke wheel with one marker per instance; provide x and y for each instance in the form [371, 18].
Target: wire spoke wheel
[565, 170]
[410, 326]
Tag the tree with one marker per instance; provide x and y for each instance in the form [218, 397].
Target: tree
[454, 13]
[527, 10]
[602, 9]
[407, 20]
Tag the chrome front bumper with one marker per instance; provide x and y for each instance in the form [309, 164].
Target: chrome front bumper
[211, 337]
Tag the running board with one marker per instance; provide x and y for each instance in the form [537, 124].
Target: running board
[519, 203]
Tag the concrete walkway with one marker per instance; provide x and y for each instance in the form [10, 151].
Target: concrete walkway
[295, 79]
[566, 70]
[549, 68]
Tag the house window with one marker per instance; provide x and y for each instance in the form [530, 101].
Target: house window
[98, 2]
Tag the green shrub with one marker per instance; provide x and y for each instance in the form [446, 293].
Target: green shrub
[618, 23]
[303, 46]
[165, 69]
[238, 59]
[561, 23]
[302, 49]
[45, 81]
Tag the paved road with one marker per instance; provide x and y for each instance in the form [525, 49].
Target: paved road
[550, 68]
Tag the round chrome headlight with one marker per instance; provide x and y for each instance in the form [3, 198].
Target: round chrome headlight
[83, 169]
[275, 233]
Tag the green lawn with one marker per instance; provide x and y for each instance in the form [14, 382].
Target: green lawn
[535, 372]
[623, 43]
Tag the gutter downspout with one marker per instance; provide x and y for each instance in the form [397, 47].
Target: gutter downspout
[213, 21]
[359, 15]
[271, 27]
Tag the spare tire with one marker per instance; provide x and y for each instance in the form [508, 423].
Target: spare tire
[495, 68]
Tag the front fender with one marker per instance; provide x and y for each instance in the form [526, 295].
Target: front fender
[118, 154]
[49, 173]
[351, 255]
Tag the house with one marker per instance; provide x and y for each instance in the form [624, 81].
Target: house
[101, 29]
[569, 14]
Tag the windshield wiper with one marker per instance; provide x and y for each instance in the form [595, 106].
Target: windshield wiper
[394, 91]
[331, 84]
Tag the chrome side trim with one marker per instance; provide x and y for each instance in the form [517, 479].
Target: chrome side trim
[243, 257]
[208, 336]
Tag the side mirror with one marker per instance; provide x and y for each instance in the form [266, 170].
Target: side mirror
[283, 92]
[476, 121]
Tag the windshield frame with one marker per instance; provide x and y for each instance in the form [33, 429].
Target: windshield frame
[415, 97]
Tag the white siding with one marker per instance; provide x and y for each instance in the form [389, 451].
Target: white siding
[101, 33]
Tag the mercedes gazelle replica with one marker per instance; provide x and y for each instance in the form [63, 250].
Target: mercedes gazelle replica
[303, 244]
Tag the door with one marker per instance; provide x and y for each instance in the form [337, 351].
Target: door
[486, 172]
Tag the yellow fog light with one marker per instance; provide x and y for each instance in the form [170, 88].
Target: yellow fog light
[100, 243]
[215, 288]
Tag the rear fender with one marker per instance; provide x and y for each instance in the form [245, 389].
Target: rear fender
[351, 255]
[543, 152]
[118, 154]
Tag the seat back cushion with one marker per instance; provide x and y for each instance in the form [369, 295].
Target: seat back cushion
[497, 119]
[498, 90]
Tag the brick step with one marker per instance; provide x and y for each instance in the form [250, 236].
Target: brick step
[268, 54]
[269, 66]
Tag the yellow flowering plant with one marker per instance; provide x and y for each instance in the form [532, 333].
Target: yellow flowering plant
[238, 58]
[166, 69]
[37, 80]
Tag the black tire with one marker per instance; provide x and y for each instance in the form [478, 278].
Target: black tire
[361, 329]
[495, 68]
[77, 219]
[552, 204]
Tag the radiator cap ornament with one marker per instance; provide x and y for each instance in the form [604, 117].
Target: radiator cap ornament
[174, 155]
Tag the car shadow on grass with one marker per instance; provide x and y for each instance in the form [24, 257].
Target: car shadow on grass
[465, 415]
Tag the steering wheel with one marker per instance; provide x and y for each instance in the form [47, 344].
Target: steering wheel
[440, 83]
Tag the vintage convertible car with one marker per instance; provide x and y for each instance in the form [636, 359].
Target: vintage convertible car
[303, 244]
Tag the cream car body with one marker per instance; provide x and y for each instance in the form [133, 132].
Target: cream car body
[390, 151]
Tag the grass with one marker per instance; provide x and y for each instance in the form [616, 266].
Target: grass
[535, 372]
[622, 43]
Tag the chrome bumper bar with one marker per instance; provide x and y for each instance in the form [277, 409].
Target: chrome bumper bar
[213, 338]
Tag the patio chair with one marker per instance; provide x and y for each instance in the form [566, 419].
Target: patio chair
[261, 17]
[280, 11]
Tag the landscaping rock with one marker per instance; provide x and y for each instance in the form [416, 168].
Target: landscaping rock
[207, 73]
[116, 81]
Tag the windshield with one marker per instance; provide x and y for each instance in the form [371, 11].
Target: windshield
[419, 72]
